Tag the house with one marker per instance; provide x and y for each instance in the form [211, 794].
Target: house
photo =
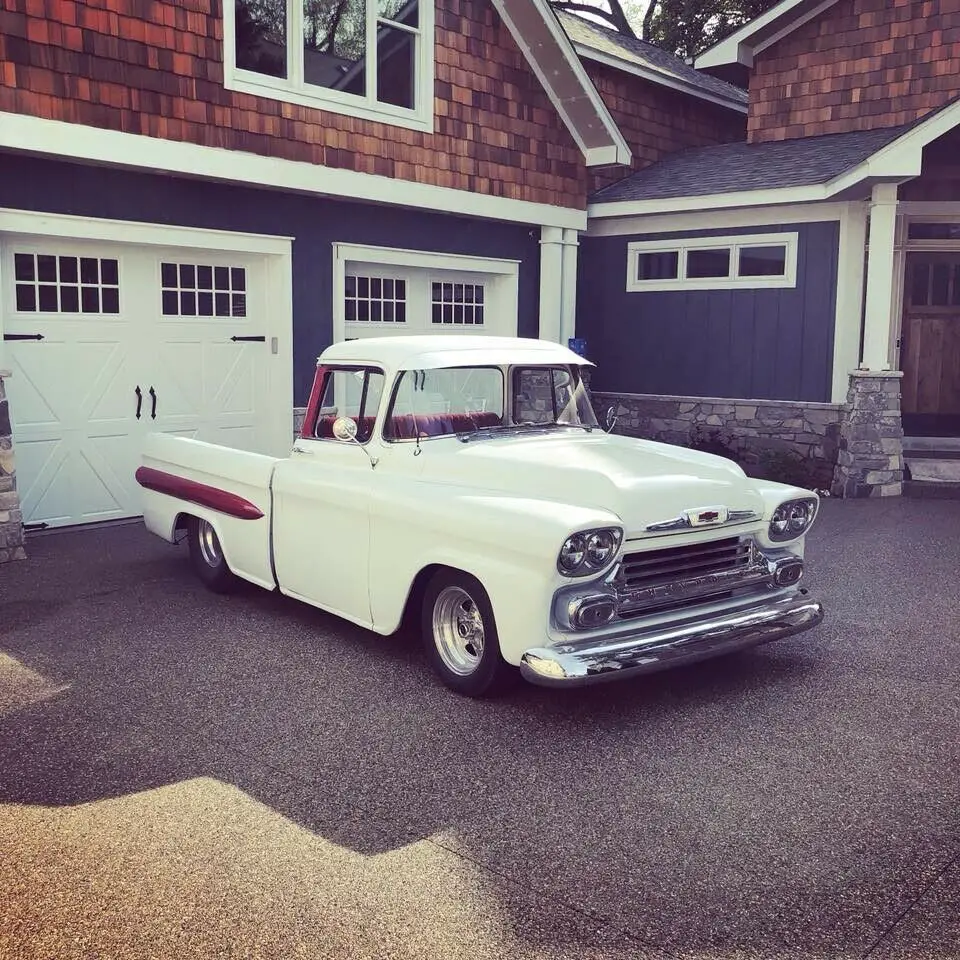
[802, 285]
[197, 197]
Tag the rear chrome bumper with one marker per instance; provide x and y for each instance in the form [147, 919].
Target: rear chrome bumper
[591, 661]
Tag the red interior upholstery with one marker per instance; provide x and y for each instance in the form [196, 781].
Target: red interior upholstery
[405, 426]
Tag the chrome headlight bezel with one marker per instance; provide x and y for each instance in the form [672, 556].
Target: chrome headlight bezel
[589, 552]
[792, 519]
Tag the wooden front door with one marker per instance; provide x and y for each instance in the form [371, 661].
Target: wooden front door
[930, 345]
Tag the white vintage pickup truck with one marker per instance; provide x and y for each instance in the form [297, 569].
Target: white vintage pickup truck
[463, 483]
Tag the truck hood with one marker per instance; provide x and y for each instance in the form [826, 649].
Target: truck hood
[641, 481]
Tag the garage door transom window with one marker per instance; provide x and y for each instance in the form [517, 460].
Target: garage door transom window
[203, 290]
[46, 283]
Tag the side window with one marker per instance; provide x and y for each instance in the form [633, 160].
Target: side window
[352, 392]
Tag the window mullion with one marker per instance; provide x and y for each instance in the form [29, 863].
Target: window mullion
[370, 7]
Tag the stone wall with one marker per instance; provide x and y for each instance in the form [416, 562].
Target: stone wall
[780, 440]
[11, 519]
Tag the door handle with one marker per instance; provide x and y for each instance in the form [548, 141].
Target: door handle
[153, 405]
[139, 394]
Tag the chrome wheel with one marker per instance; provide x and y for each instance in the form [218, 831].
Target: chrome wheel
[458, 632]
[209, 544]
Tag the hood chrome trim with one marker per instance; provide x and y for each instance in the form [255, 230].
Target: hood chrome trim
[704, 517]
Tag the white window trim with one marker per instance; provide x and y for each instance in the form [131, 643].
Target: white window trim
[504, 299]
[682, 245]
[293, 89]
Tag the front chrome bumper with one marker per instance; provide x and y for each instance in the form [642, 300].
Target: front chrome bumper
[591, 661]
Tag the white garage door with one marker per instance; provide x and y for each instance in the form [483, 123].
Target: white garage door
[110, 341]
[381, 292]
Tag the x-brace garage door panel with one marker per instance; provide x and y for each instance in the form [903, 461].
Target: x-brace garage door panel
[110, 341]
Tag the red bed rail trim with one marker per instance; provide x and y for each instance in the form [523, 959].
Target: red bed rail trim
[190, 490]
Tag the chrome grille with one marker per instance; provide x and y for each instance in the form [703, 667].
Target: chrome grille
[691, 562]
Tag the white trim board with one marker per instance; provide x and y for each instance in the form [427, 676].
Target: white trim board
[655, 76]
[616, 150]
[139, 232]
[722, 219]
[73, 141]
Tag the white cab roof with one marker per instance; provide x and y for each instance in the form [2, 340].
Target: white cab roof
[451, 350]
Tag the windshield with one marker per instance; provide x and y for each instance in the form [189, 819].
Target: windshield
[435, 403]
[551, 395]
[464, 400]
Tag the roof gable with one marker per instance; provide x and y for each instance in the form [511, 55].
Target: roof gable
[762, 32]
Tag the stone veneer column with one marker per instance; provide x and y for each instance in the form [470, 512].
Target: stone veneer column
[870, 461]
[11, 519]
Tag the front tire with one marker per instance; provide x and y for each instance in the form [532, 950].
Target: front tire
[206, 557]
[459, 634]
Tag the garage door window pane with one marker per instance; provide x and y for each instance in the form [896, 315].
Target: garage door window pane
[197, 289]
[457, 304]
[374, 299]
[48, 283]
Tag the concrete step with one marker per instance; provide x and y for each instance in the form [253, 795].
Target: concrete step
[931, 490]
[921, 445]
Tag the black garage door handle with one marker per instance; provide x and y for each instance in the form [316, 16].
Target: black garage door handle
[139, 394]
[153, 407]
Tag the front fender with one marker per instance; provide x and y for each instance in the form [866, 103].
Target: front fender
[510, 544]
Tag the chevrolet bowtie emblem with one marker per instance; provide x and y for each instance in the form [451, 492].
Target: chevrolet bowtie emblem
[706, 516]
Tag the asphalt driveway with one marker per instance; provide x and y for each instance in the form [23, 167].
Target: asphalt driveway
[184, 775]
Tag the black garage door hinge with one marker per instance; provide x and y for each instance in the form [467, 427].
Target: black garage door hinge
[260, 339]
[23, 336]
[36, 526]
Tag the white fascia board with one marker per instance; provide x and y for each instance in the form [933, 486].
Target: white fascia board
[726, 219]
[141, 233]
[112, 148]
[655, 76]
[623, 153]
[739, 47]
[715, 201]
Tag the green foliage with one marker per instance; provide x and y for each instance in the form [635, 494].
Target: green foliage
[688, 27]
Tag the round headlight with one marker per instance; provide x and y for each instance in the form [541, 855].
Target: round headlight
[588, 551]
[573, 552]
[792, 518]
[600, 547]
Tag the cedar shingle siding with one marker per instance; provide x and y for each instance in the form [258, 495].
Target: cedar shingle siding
[155, 67]
[861, 64]
[656, 120]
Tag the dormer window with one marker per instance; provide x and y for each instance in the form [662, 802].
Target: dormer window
[365, 58]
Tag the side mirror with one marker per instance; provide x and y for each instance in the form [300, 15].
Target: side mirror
[611, 419]
[345, 429]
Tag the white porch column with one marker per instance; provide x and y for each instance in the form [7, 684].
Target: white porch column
[568, 302]
[551, 282]
[880, 284]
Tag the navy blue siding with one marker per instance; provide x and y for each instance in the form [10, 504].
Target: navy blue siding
[774, 344]
[51, 186]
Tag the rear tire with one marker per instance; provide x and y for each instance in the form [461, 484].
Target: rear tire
[206, 557]
[459, 634]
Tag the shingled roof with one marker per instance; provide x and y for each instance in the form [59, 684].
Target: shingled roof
[659, 64]
[735, 167]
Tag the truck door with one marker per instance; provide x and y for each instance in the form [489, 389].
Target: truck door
[321, 500]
